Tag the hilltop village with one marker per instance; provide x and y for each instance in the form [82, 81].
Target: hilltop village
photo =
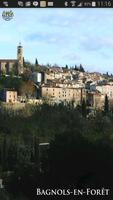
[22, 82]
[56, 128]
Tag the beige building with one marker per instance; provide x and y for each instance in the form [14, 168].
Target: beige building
[11, 96]
[7, 66]
[95, 99]
[59, 74]
[13, 65]
[106, 90]
[8, 95]
[59, 94]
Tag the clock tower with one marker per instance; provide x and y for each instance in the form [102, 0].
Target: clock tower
[20, 58]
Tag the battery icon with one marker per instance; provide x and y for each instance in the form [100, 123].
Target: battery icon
[93, 4]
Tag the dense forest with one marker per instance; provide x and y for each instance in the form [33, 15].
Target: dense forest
[79, 154]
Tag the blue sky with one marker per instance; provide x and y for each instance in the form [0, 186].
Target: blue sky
[61, 36]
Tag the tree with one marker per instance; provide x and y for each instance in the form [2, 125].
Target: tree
[27, 89]
[66, 67]
[29, 66]
[106, 105]
[26, 76]
[81, 68]
[72, 157]
[36, 62]
[76, 68]
[83, 108]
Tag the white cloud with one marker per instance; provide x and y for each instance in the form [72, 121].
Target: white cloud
[59, 35]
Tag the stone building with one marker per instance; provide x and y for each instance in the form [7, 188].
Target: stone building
[13, 65]
[106, 89]
[61, 94]
[8, 95]
[95, 99]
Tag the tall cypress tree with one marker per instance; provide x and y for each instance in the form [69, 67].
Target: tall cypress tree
[106, 105]
[66, 66]
[81, 68]
[36, 62]
[83, 108]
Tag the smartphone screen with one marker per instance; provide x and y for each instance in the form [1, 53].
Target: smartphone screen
[56, 100]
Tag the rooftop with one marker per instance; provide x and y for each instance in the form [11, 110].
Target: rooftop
[8, 60]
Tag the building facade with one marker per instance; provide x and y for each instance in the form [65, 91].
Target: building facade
[95, 99]
[106, 89]
[13, 65]
[8, 95]
[60, 94]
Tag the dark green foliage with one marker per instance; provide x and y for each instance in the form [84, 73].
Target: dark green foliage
[66, 66]
[4, 195]
[80, 150]
[83, 108]
[76, 68]
[10, 82]
[77, 162]
[26, 76]
[36, 62]
[20, 84]
[81, 69]
[106, 105]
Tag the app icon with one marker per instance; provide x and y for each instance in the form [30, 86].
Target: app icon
[42, 4]
[27, 3]
[7, 15]
[35, 3]
[20, 3]
[50, 3]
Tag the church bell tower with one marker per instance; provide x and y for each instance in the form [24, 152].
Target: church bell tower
[20, 58]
